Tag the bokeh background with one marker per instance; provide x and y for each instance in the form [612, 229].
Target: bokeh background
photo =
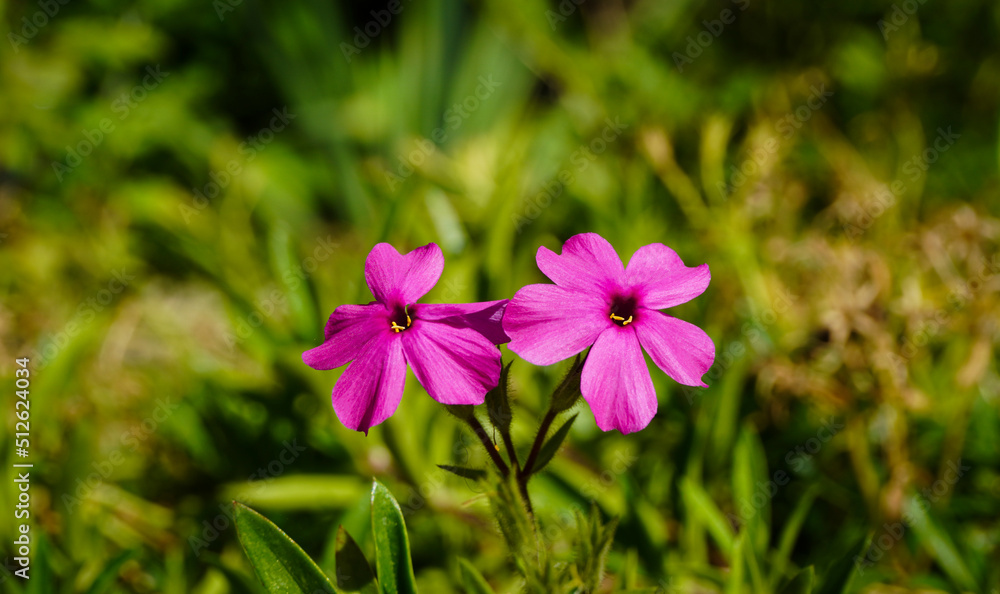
[188, 189]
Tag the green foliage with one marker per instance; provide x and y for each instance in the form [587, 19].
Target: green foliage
[551, 446]
[392, 545]
[280, 564]
[852, 279]
[353, 572]
[593, 544]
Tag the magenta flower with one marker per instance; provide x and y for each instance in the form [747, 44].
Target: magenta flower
[451, 348]
[596, 301]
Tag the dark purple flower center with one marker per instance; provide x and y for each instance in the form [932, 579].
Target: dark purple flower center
[399, 319]
[623, 309]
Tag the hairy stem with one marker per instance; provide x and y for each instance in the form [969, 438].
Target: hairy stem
[491, 449]
[511, 452]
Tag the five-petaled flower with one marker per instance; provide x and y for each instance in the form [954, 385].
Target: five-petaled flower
[596, 302]
[451, 348]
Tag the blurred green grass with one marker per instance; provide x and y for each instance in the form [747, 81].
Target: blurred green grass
[159, 402]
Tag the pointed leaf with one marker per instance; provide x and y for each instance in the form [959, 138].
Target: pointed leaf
[550, 447]
[473, 580]
[280, 564]
[354, 574]
[392, 546]
[469, 473]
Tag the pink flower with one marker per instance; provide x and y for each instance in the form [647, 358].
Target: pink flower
[451, 348]
[597, 302]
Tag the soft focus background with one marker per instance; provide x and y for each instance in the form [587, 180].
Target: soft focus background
[188, 189]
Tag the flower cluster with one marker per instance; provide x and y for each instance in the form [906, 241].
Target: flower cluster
[595, 303]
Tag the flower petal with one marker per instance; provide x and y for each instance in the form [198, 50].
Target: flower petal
[682, 350]
[454, 365]
[484, 317]
[587, 263]
[349, 328]
[661, 279]
[369, 390]
[548, 323]
[616, 382]
[403, 278]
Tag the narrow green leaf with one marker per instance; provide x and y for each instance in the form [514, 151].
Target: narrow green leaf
[470, 473]
[280, 564]
[473, 580]
[550, 447]
[700, 505]
[753, 488]
[939, 545]
[802, 583]
[392, 546]
[734, 584]
[354, 574]
[790, 534]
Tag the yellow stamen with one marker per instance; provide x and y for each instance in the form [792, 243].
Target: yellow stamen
[619, 318]
[627, 322]
[397, 328]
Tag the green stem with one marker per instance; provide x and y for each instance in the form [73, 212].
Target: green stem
[511, 452]
[491, 449]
